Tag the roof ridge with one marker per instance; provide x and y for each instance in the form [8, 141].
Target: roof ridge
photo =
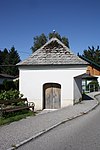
[55, 53]
[49, 41]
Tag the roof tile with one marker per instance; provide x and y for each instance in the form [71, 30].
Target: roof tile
[53, 52]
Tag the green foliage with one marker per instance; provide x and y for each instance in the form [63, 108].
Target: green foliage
[63, 39]
[15, 117]
[17, 113]
[94, 85]
[10, 95]
[3, 55]
[8, 60]
[55, 34]
[39, 41]
[1, 87]
[92, 54]
[8, 85]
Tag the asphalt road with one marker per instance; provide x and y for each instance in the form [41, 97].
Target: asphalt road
[82, 133]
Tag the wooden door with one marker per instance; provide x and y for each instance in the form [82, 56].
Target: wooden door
[56, 97]
[52, 96]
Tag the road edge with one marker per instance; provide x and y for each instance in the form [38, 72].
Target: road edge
[52, 127]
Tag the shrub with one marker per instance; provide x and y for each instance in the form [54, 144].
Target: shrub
[93, 85]
[1, 87]
[9, 95]
[8, 85]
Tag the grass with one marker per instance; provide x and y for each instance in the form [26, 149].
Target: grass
[15, 117]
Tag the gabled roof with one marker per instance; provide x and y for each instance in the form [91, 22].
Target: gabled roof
[88, 76]
[54, 52]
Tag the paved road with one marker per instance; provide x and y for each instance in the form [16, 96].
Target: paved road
[82, 133]
[18, 132]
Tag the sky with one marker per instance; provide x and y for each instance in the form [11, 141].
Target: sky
[22, 20]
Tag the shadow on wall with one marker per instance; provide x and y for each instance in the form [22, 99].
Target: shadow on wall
[86, 97]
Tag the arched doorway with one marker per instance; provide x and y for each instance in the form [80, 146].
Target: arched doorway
[51, 96]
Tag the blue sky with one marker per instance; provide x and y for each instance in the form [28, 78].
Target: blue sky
[21, 20]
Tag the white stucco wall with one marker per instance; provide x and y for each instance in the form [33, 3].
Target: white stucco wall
[32, 79]
[77, 89]
[99, 80]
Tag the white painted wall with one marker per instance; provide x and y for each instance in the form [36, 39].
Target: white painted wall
[99, 80]
[32, 80]
[77, 89]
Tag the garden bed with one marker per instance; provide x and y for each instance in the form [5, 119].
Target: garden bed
[15, 117]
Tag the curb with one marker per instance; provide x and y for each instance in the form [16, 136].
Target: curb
[52, 127]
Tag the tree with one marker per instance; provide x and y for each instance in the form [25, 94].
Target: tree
[39, 41]
[63, 39]
[42, 39]
[9, 59]
[3, 56]
[92, 54]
